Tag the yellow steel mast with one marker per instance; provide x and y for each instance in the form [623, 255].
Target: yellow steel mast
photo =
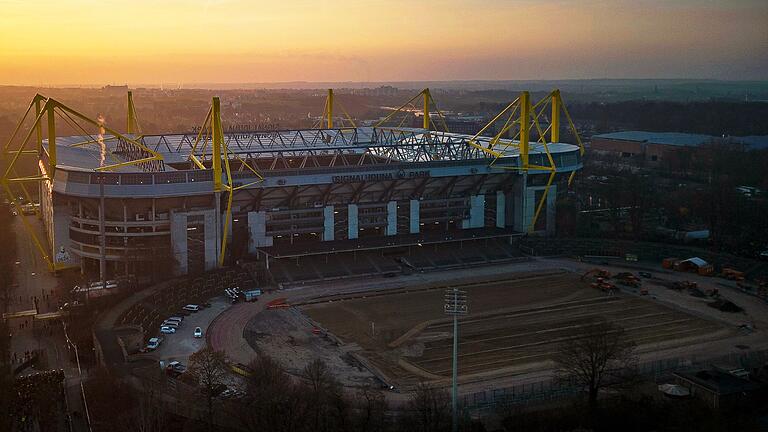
[49, 109]
[133, 120]
[529, 117]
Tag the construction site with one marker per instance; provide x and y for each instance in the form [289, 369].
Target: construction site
[516, 323]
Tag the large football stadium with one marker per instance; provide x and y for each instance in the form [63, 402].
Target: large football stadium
[117, 203]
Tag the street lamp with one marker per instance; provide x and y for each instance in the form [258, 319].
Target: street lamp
[80, 374]
[455, 304]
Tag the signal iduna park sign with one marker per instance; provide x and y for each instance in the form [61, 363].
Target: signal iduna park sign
[402, 174]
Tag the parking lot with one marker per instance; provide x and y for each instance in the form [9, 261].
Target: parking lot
[180, 345]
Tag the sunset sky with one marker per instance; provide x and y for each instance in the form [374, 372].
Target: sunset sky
[54, 42]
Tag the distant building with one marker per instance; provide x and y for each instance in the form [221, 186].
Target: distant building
[115, 88]
[719, 387]
[468, 125]
[656, 147]
[384, 90]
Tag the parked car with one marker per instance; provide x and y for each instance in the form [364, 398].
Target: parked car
[167, 330]
[198, 332]
[191, 307]
[173, 324]
[175, 318]
[153, 343]
[228, 393]
[644, 274]
[176, 366]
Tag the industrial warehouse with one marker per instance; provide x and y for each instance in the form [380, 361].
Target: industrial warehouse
[116, 204]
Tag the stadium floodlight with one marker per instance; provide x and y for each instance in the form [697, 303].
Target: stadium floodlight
[455, 304]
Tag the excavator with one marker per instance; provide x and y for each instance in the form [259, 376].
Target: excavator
[597, 272]
[628, 279]
[604, 286]
[732, 274]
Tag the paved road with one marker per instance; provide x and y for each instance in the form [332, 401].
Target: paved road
[33, 280]
[180, 345]
[226, 333]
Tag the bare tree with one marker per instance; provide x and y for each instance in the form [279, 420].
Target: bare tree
[210, 369]
[150, 413]
[316, 374]
[6, 378]
[600, 355]
[325, 398]
[272, 402]
[428, 410]
[110, 402]
[371, 410]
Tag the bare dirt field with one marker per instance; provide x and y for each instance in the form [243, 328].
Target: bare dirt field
[286, 336]
[514, 325]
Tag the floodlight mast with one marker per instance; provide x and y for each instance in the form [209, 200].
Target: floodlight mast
[455, 304]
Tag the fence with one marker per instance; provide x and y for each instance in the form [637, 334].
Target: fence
[550, 390]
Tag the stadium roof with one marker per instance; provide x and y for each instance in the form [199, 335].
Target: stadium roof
[685, 139]
[402, 144]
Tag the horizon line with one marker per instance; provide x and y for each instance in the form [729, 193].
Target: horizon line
[199, 84]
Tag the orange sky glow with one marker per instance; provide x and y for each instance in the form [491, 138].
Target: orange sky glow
[49, 42]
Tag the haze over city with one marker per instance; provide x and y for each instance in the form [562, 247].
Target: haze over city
[383, 216]
[81, 42]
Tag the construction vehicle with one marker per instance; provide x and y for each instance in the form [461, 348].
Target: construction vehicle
[684, 285]
[628, 279]
[732, 274]
[597, 272]
[604, 286]
[669, 263]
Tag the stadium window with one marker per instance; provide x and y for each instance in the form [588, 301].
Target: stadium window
[654, 158]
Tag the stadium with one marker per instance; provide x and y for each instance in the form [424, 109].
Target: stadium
[118, 203]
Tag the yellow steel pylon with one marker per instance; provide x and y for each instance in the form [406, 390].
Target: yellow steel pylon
[220, 164]
[518, 127]
[328, 109]
[427, 122]
[133, 119]
[49, 109]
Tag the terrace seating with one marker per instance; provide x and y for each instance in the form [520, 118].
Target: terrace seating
[365, 262]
